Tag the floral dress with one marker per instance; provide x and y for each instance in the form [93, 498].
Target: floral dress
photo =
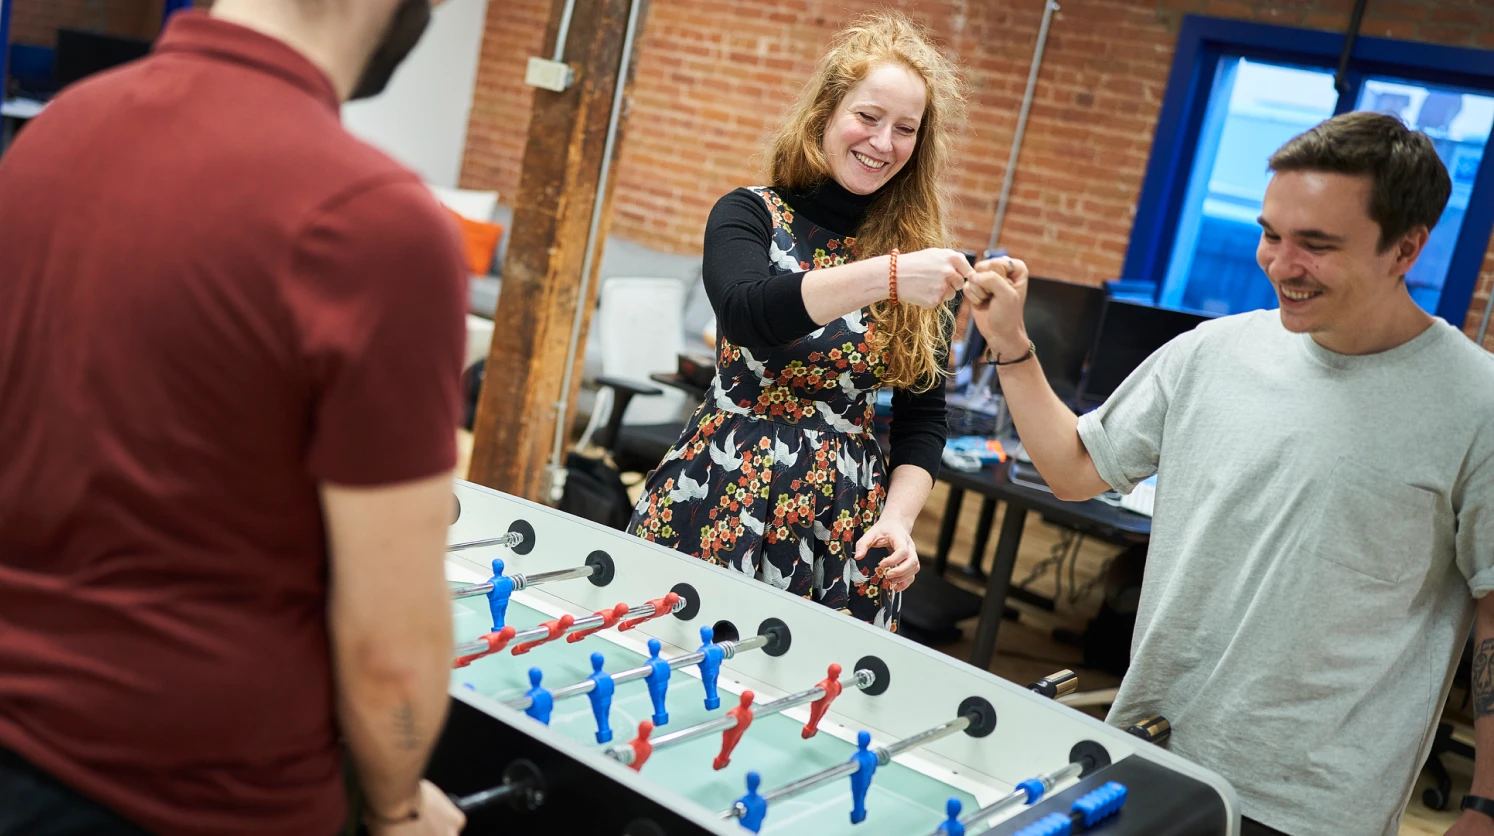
[778, 473]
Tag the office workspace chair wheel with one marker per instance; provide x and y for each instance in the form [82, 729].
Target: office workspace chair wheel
[1435, 798]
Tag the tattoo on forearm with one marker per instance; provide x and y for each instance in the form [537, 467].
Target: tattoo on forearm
[1483, 679]
[406, 730]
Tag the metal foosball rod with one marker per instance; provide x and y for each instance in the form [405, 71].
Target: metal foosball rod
[971, 717]
[522, 581]
[861, 680]
[1028, 792]
[598, 569]
[508, 541]
[524, 640]
[729, 649]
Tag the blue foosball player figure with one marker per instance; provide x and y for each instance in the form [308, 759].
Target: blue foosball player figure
[541, 701]
[658, 682]
[710, 667]
[866, 766]
[755, 805]
[952, 826]
[503, 589]
[601, 697]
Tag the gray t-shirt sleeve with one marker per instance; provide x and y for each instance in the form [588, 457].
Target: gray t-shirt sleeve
[1474, 543]
[1124, 436]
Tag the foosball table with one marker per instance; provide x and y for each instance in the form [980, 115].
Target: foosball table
[603, 684]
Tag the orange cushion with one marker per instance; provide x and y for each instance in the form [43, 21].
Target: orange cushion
[479, 242]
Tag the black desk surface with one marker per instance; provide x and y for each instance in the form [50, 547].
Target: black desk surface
[1091, 514]
[680, 382]
[932, 605]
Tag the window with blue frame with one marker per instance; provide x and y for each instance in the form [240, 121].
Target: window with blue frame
[1237, 92]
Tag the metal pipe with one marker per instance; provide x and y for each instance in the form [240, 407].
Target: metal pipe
[586, 685]
[884, 754]
[525, 581]
[509, 540]
[1356, 18]
[976, 822]
[1049, 7]
[522, 582]
[565, 29]
[861, 679]
[556, 471]
[1483, 327]
[471, 590]
[939, 732]
[481, 646]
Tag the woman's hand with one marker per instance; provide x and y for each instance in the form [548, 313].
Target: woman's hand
[931, 277]
[997, 292]
[896, 536]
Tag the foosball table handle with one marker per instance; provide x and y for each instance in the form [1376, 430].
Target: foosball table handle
[1154, 729]
[1056, 685]
[523, 789]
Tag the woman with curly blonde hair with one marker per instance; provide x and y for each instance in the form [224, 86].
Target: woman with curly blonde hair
[828, 285]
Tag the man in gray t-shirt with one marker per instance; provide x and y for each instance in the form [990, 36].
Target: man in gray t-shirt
[1324, 518]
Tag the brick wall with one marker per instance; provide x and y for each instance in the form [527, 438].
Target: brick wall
[714, 77]
[500, 104]
[37, 21]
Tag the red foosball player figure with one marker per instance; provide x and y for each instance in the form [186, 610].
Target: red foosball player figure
[817, 709]
[732, 736]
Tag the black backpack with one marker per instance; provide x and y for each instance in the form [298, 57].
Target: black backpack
[594, 491]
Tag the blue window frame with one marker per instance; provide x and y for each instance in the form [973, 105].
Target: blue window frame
[1180, 177]
[4, 46]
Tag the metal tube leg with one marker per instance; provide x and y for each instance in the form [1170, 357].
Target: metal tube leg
[997, 584]
[947, 527]
[982, 539]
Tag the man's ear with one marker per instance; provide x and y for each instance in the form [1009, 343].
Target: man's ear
[1409, 249]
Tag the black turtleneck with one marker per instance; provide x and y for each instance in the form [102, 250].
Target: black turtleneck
[757, 309]
[754, 308]
[829, 206]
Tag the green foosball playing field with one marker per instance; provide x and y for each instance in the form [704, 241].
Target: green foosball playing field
[901, 800]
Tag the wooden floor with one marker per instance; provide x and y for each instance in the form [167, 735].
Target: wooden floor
[1025, 649]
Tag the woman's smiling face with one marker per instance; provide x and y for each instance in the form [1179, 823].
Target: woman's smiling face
[875, 128]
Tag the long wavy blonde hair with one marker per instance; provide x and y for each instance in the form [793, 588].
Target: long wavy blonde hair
[908, 212]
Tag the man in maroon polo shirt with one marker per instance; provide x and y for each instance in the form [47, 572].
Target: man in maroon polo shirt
[230, 343]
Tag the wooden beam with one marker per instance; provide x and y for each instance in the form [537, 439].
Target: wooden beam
[515, 422]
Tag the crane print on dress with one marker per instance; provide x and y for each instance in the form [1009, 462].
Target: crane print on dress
[778, 473]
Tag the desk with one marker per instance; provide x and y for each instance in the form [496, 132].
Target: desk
[1091, 517]
[679, 382]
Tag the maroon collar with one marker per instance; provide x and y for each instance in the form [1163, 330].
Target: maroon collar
[195, 32]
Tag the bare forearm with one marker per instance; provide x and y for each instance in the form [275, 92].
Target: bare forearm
[389, 613]
[1483, 698]
[836, 291]
[392, 704]
[1049, 432]
[907, 491]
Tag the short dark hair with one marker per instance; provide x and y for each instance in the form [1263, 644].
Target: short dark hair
[1410, 185]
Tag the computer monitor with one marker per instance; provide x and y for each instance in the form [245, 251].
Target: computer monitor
[81, 54]
[1129, 333]
[1061, 318]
